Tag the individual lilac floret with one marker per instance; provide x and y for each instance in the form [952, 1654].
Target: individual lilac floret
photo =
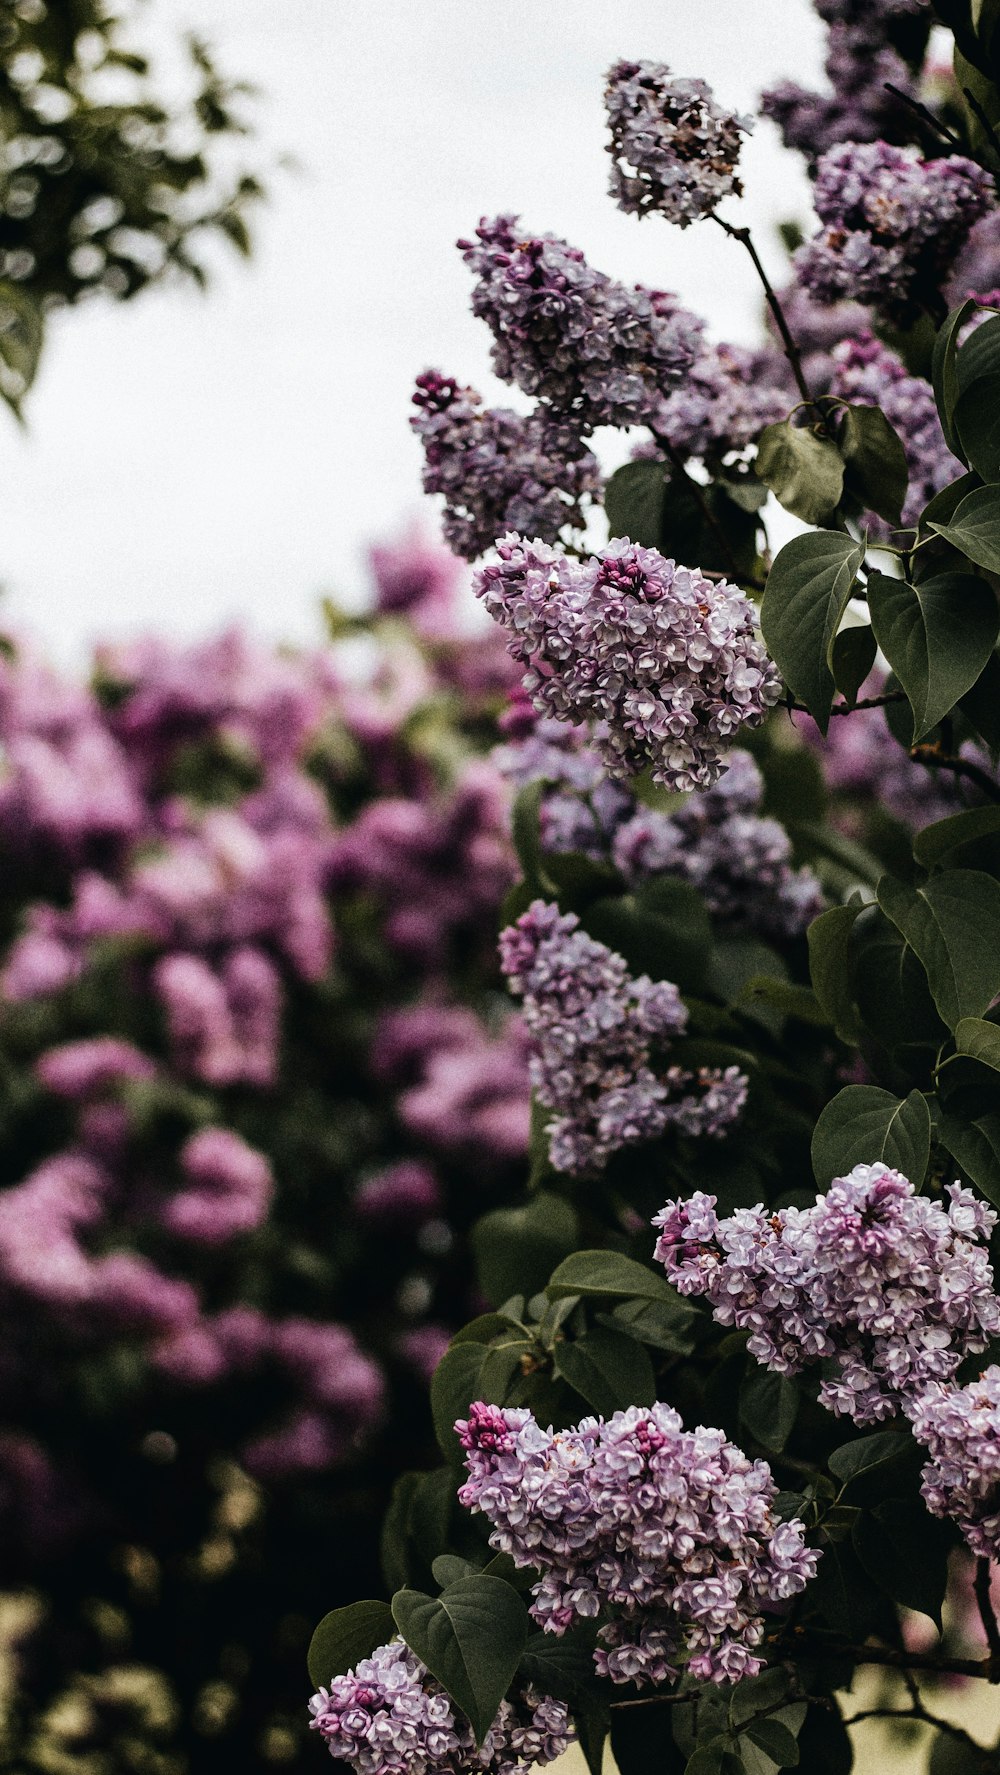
[893, 223]
[739, 861]
[724, 403]
[389, 1716]
[594, 1029]
[499, 470]
[674, 149]
[960, 1428]
[574, 338]
[895, 1288]
[664, 661]
[867, 373]
[669, 1532]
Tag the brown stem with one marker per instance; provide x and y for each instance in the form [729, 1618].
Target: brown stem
[891, 1658]
[792, 352]
[987, 1614]
[959, 767]
[919, 1712]
[865, 702]
[935, 123]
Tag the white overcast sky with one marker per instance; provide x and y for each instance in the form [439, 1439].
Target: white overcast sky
[193, 460]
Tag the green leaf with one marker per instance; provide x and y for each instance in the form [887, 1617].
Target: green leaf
[979, 355]
[22, 335]
[663, 1325]
[851, 659]
[829, 939]
[662, 930]
[769, 1405]
[952, 923]
[607, 1275]
[633, 502]
[975, 528]
[906, 1552]
[843, 1593]
[944, 370]
[941, 509]
[784, 996]
[447, 1568]
[980, 1040]
[981, 705]
[609, 1370]
[864, 1125]
[806, 595]
[804, 471]
[516, 1248]
[977, 422]
[868, 1461]
[976, 1146]
[935, 844]
[775, 1740]
[345, 1636]
[937, 637]
[471, 1638]
[526, 832]
[875, 463]
[454, 1386]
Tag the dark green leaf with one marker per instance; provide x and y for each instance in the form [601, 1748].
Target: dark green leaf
[976, 1146]
[864, 1125]
[935, 844]
[806, 595]
[345, 1636]
[454, 1386]
[980, 1040]
[975, 528]
[890, 987]
[944, 370]
[516, 1248]
[633, 502]
[22, 335]
[663, 1325]
[843, 1593]
[977, 422]
[804, 472]
[868, 1462]
[609, 1370]
[641, 1746]
[471, 1638]
[561, 1666]
[526, 831]
[937, 636]
[784, 996]
[942, 507]
[829, 938]
[979, 354]
[825, 1746]
[447, 1568]
[775, 1740]
[952, 923]
[875, 464]
[608, 1275]
[906, 1552]
[769, 1405]
[662, 930]
[851, 659]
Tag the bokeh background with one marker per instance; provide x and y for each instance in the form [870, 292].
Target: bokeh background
[189, 462]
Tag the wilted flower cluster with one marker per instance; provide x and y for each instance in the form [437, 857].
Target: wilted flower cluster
[664, 662]
[581, 343]
[674, 148]
[867, 373]
[892, 1286]
[960, 1428]
[892, 225]
[670, 1532]
[389, 1716]
[595, 1030]
[499, 470]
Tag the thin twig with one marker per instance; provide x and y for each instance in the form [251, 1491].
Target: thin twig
[987, 1614]
[792, 352]
[865, 702]
[920, 1714]
[959, 767]
[939, 128]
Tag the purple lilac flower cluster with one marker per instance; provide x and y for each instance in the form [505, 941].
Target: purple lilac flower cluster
[861, 66]
[581, 343]
[894, 1288]
[664, 662]
[594, 1029]
[960, 1428]
[892, 225]
[976, 271]
[674, 149]
[460, 1088]
[864, 765]
[724, 403]
[499, 470]
[389, 1716]
[669, 1531]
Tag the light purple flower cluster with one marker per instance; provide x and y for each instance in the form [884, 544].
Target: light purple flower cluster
[892, 225]
[414, 578]
[860, 64]
[664, 662]
[724, 402]
[499, 470]
[460, 1089]
[867, 373]
[960, 1428]
[389, 1716]
[669, 1532]
[586, 346]
[976, 271]
[674, 149]
[594, 1030]
[892, 1286]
